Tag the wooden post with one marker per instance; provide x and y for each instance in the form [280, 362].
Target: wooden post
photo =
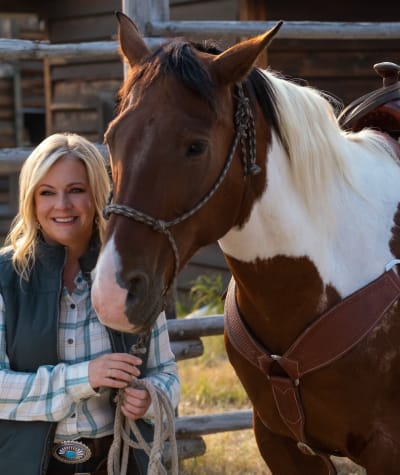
[141, 12]
[254, 10]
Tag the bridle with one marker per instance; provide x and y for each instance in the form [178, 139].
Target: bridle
[245, 133]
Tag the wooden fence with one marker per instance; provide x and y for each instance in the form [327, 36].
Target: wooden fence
[186, 343]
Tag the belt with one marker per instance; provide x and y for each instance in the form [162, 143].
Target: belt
[81, 456]
[99, 472]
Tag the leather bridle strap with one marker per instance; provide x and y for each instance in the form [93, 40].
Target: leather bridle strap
[327, 339]
[245, 136]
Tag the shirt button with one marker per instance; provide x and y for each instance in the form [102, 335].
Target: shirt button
[72, 305]
[70, 341]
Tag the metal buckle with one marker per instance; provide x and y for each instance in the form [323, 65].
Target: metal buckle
[306, 449]
[391, 264]
[71, 451]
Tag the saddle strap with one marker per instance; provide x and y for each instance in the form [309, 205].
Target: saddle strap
[323, 342]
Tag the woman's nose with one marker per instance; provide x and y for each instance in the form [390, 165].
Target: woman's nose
[63, 201]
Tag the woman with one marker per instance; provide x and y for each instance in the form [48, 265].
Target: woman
[59, 366]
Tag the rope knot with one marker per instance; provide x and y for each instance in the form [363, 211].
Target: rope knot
[160, 225]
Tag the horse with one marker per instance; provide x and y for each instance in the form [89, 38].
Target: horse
[207, 147]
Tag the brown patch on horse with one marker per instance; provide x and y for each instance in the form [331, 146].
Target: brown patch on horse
[280, 297]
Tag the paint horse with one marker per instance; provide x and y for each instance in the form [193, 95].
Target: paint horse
[207, 147]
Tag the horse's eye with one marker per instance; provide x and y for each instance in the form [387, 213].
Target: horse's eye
[196, 148]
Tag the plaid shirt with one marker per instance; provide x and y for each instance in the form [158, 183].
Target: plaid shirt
[62, 393]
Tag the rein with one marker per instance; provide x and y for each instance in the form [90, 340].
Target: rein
[245, 134]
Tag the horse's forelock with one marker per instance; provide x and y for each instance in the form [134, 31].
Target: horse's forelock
[179, 58]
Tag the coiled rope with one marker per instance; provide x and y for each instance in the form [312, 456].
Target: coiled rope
[164, 429]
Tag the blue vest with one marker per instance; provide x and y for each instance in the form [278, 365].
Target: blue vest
[31, 317]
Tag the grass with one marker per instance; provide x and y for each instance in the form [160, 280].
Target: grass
[209, 385]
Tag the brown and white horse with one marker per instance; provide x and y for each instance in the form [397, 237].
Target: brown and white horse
[207, 147]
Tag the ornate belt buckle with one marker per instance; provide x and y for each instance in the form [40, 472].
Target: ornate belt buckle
[71, 451]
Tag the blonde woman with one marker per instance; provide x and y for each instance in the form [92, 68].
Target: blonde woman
[59, 365]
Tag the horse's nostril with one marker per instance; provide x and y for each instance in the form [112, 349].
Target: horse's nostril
[137, 287]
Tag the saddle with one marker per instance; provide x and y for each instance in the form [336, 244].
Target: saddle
[379, 109]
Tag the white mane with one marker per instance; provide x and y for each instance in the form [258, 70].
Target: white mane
[318, 149]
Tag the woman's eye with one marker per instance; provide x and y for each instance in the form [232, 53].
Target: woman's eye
[76, 190]
[196, 148]
[45, 193]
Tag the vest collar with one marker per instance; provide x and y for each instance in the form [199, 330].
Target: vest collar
[52, 256]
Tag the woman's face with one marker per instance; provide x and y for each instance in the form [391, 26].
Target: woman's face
[64, 204]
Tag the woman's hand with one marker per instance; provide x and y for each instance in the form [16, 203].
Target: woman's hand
[135, 402]
[113, 370]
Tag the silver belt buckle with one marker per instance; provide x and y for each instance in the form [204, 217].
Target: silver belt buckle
[71, 451]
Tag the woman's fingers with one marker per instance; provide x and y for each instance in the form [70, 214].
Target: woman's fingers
[114, 370]
[135, 402]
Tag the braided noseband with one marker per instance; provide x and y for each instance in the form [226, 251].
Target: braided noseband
[245, 133]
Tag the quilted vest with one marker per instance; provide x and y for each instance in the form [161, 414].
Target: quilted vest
[31, 316]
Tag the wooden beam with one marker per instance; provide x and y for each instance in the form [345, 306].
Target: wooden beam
[255, 10]
[144, 12]
[196, 327]
[191, 426]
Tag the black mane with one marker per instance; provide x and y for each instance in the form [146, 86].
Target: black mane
[179, 57]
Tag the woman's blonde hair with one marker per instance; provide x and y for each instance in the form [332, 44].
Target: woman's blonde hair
[23, 232]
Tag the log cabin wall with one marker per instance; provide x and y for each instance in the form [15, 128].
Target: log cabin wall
[341, 67]
[22, 105]
[80, 93]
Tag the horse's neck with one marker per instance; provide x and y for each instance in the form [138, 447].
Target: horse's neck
[337, 252]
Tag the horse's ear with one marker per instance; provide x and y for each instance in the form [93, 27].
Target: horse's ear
[235, 63]
[132, 45]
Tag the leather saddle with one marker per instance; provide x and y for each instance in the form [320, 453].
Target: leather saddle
[379, 109]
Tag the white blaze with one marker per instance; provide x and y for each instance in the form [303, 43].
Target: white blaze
[108, 298]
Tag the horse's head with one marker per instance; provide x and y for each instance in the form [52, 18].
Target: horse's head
[181, 168]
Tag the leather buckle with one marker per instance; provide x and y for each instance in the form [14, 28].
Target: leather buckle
[306, 449]
[71, 452]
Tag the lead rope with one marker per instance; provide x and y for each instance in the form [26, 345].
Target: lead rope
[164, 430]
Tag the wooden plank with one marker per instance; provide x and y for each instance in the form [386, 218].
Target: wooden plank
[325, 64]
[87, 71]
[72, 8]
[65, 91]
[203, 11]
[187, 349]
[7, 101]
[6, 114]
[22, 6]
[187, 448]
[77, 29]
[292, 30]
[78, 122]
[213, 423]
[351, 45]
[196, 327]
[314, 10]
[73, 106]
